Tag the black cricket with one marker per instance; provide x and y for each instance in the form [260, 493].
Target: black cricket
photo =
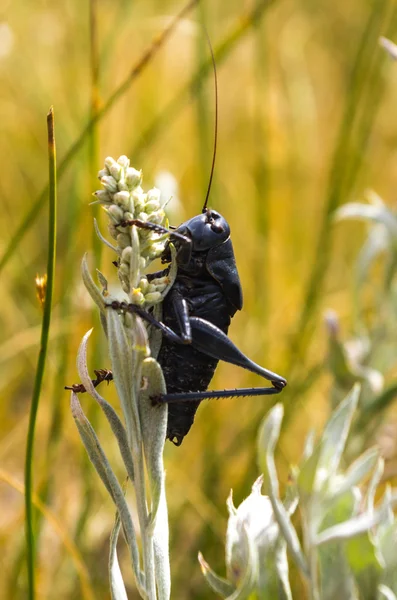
[196, 317]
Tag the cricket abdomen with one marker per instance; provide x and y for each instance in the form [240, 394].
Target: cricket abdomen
[185, 368]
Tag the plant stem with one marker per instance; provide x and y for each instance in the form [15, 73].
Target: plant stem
[30, 541]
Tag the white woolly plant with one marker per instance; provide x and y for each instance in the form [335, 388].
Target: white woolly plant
[347, 547]
[137, 376]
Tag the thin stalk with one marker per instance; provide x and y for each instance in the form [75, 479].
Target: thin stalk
[30, 218]
[30, 541]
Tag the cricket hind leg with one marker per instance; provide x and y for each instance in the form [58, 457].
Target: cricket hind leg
[210, 340]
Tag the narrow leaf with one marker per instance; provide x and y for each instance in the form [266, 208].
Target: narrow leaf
[117, 587]
[89, 283]
[111, 415]
[221, 586]
[334, 438]
[267, 440]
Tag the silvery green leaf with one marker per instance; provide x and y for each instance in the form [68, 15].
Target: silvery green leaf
[117, 587]
[89, 283]
[220, 585]
[102, 317]
[356, 525]
[267, 440]
[103, 239]
[123, 373]
[334, 438]
[161, 551]
[348, 529]
[111, 415]
[386, 538]
[309, 444]
[369, 212]
[91, 443]
[307, 473]
[153, 420]
[363, 562]
[268, 437]
[373, 484]
[250, 574]
[255, 515]
[386, 507]
[230, 505]
[104, 470]
[357, 471]
[386, 592]
[103, 282]
[389, 46]
[282, 569]
[336, 579]
[291, 499]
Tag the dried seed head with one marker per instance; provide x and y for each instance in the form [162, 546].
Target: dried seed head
[41, 288]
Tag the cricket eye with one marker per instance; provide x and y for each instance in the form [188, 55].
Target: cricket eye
[217, 228]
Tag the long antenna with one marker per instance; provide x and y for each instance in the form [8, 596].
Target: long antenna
[216, 120]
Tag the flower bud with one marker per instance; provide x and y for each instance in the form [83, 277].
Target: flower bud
[153, 298]
[143, 285]
[109, 162]
[137, 297]
[123, 161]
[142, 216]
[139, 200]
[133, 178]
[156, 217]
[102, 196]
[126, 255]
[142, 263]
[116, 213]
[124, 269]
[109, 183]
[116, 171]
[123, 187]
[123, 240]
[103, 173]
[153, 194]
[122, 199]
[159, 281]
[128, 216]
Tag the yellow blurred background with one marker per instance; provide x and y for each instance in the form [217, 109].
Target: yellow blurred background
[307, 122]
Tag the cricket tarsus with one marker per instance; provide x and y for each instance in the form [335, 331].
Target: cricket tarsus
[101, 375]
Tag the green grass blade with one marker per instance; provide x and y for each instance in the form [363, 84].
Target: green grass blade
[30, 542]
